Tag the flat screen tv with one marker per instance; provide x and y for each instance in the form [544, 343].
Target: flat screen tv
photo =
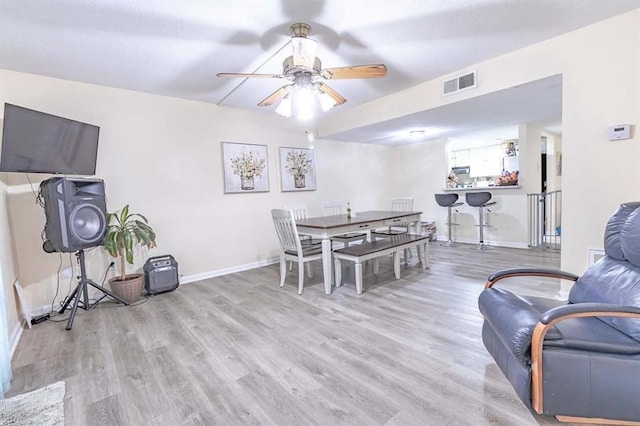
[36, 142]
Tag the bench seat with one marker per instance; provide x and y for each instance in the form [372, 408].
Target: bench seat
[376, 249]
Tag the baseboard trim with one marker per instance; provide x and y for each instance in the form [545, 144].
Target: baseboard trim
[489, 243]
[186, 279]
[15, 337]
[219, 272]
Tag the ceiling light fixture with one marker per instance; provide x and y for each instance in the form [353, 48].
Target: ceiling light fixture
[326, 101]
[416, 133]
[304, 49]
[304, 98]
[284, 108]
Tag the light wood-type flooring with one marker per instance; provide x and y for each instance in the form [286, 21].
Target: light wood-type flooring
[238, 349]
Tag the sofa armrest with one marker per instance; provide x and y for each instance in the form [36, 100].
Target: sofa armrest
[529, 272]
[561, 313]
[588, 310]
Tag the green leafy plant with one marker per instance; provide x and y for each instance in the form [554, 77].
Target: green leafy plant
[123, 231]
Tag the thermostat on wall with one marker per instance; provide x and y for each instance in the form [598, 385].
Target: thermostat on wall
[621, 131]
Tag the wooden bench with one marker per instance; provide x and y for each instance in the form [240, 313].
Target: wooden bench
[375, 249]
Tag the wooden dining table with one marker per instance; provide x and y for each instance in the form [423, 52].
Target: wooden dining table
[325, 227]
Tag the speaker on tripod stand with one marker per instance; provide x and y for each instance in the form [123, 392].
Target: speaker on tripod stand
[75, 210]
[76, 219]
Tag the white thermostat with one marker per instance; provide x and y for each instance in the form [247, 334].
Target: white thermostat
[621, 131]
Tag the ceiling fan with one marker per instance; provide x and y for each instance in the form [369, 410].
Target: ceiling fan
[307, 77]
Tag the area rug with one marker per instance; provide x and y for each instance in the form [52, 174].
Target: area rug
[43, 406]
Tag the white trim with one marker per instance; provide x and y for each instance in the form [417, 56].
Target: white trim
[3, 185]
[15, 337]
[489, 243]
[239, 268]
[40, 310]
[594, 255]
[21, 189]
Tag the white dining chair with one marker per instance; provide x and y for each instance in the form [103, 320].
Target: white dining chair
[334, 208]
[397, 205]
[290, 247]
[300, 212]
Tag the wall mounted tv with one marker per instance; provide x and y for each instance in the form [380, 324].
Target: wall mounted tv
[36, 142]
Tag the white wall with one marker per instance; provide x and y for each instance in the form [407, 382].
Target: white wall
[163, 156]
[600, 69]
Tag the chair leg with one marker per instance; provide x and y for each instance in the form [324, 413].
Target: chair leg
[300, 277]
[309, 270]
[290, 265]
[338, 272]
[482, 245]
[407, 255]
[358, 277]
[283, 270]
[376, 265]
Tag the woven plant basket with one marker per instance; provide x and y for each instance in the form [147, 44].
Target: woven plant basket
[130, 289]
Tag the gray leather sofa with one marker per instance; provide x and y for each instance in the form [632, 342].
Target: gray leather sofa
[577, 360]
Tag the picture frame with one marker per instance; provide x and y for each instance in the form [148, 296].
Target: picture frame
[245, 168]
[297, 169]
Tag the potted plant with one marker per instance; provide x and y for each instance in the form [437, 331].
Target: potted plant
[124, 231]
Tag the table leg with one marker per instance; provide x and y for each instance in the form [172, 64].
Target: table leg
[326, 264]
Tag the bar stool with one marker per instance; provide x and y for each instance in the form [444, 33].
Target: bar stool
[481, 201]
[448, 201]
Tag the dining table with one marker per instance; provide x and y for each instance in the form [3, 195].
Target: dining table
[326, 227]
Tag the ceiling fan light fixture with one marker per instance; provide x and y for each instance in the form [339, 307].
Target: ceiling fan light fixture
[304, 103]
[326, 101]
[304, 52]
[284, 108]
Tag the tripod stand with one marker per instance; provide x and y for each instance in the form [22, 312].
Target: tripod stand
[81, 291]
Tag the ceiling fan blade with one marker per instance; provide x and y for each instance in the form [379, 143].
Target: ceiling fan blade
[358, 71]
[276, 96]
[335, 95]
[247, 75]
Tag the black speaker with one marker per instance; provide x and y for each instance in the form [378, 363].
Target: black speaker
[76, 213]
[161, 274]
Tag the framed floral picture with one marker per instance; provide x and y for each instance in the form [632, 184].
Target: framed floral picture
[297, 169]
[245, 168]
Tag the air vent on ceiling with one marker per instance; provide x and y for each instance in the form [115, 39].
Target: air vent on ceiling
[466, 81]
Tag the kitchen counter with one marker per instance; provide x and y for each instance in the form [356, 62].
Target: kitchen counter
[482, 188]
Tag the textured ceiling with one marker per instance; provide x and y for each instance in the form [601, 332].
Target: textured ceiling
[175, 48]
[538, 101]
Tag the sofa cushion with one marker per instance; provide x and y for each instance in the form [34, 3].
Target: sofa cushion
[611, 281]
[612, 244]
[630, 238]
[514, 317]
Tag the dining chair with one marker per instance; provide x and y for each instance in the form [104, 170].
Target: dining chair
[397, 205]
[334, 208]
[300, 212]
[291, 248]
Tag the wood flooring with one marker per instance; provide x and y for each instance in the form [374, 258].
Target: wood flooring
[238, 349]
